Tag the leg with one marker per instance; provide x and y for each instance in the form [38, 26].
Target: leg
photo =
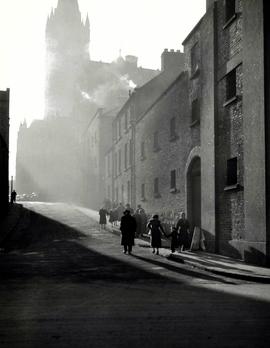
[129, 249]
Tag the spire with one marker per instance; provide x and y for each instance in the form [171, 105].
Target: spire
[87, 22]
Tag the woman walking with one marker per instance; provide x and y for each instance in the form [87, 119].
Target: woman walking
[156, 229]
[102, 218]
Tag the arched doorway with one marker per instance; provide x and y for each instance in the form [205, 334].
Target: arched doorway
[194, 193]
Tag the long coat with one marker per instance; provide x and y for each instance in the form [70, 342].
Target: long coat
[128, 229]
[155, 229]
[102, 216]
[183, 235]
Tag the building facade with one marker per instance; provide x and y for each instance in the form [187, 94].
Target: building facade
[4, 151]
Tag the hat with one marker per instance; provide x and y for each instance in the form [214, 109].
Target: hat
[127, 212]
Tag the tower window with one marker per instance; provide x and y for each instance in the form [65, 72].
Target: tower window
[195, 59]
[229, 10]
[232, 171]
[231, 85]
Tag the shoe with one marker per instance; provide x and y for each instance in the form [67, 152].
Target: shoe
[124, 252]
[153, 251]
[157, 253]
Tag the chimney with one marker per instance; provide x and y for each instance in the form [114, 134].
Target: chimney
[172, 60]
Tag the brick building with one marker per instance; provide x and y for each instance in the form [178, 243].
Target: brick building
[4, 151]
[216, 167]
[226, 64]
[121, 176]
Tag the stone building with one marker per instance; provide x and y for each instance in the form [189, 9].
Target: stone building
[216, 167]
[227, 62]
[75, 88]
[4, 151]
[121, 158]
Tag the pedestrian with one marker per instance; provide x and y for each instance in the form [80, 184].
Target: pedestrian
[183, 232]
[128, 207]
[156, 229]
[174, 240]
[128, 230]
[120, 210]
[138, 219]
[13, 196]
[102, 218]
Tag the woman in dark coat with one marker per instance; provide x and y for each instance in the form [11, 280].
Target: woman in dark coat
[128, 230]
[102, 218]
[183, 232]
[174, 240]
[156, 229]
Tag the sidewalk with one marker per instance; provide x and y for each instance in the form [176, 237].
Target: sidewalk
[11, 221]
[214, 263]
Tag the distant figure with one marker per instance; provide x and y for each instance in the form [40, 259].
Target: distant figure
[128, 207]
[13, 196]
[120, 210]
[128, 230]
[183, 232]
[156, 229]
[102, 217]
[143, 220]
[174, 240]
[138, 219]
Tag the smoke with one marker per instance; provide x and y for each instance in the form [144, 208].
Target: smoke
[111, 93]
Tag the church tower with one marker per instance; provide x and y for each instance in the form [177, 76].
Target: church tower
[67, 53]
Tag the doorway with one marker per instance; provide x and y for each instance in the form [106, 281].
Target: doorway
[194, 193]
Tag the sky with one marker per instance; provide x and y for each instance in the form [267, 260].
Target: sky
[138, 27]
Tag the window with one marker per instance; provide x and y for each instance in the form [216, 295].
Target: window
[156, 188]
[195, 59]
[232, 172]
[155, 144]
[195, 111]
[119, 161]
[143, 192]
[126, 155]
[130, 152]
[115, 164]
[109, 192]
[229, 10]
[128, 191]
[142, 150]
[117, 194]
[231, 85]
[172, 128]
[173, 179]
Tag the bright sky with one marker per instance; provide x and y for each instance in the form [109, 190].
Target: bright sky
[139, 27]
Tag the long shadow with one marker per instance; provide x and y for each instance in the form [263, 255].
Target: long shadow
[53, 252]
[186, 272]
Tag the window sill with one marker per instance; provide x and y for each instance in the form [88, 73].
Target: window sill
[143, 199]
[143, 158]
[229, 21]
[230, 101]
[195, 73]
[157, 195]
[235, 187]
[156, 149]
[173, 190]
[194, 123]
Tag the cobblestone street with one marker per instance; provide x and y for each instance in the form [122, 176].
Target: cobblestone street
[65, 283]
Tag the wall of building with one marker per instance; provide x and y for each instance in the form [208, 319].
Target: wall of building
[171, 153]
[4, 151]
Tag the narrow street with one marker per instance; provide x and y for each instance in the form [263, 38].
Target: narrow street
[65, 283]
